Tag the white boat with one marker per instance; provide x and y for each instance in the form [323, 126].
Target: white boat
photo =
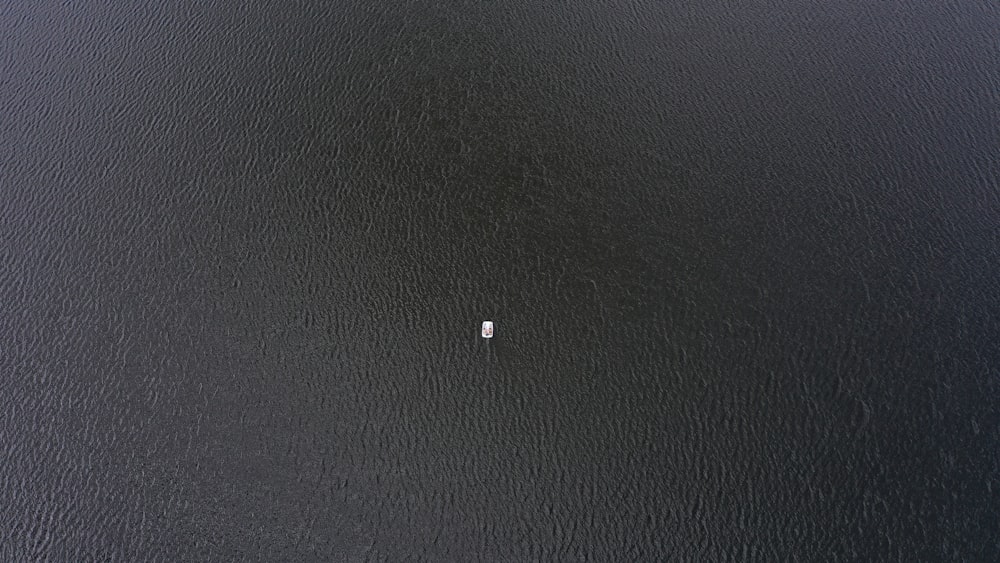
[487, 329]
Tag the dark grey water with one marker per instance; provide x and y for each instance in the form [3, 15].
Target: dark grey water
[743, 261]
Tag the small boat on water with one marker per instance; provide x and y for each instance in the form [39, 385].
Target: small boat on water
[487, 329]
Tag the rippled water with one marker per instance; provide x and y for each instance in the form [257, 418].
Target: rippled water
[742, 261]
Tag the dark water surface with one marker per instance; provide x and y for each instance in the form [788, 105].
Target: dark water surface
[743, 261]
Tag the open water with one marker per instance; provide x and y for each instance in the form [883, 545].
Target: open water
[743, 261]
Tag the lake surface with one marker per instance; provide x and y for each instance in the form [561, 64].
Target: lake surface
[743, 262]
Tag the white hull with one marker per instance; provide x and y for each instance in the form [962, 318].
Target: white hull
[487, 329]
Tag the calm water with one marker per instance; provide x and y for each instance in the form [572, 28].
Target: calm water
[743, 262]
